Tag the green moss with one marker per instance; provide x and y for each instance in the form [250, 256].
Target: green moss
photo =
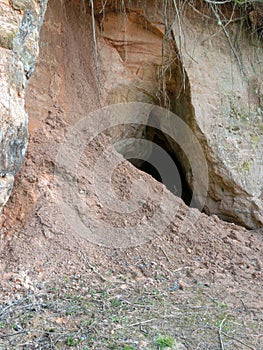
[6, 38]
[254, 142]
[255, 139]
[236, 109]
[222, 305]
[246, 166]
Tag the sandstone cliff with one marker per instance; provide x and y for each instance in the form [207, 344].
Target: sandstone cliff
[208, 71]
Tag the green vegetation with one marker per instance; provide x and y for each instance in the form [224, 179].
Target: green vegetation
[222, 305]
[70, 341]
[116, 302]
[107, 317]
[246, 165]
[237, 110]
[165, 341]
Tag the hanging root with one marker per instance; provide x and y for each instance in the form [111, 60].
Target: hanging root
[95, 46]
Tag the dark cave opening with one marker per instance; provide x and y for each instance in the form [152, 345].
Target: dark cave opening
[164, 165]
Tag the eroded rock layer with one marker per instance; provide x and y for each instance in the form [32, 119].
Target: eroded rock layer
[218, 92]
[20, 22]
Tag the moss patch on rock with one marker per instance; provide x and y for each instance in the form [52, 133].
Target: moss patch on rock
[6, 37]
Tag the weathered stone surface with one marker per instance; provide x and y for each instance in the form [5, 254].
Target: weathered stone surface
[226, 93]
[23, 4]
[222, 101]
[19, 36]
[8, 32]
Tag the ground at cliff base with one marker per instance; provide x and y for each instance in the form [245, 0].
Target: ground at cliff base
[72, 314]
[157, 312]
[201, 290]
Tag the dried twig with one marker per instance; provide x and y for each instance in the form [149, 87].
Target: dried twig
[228, 37]
[180, 40]
[220, 333]
[96, 55]
[218, 2]
[238, 340]
[12, 334]
[182, 268]
[164, 253]
[140, 323]
[199, 12]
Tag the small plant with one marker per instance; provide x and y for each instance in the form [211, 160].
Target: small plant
[104, 294]
[70, 341]
[128, 347]
[245, 166]
[116, 302]
[222, 305]
[115, 319]
[164, 341]
[69, 311]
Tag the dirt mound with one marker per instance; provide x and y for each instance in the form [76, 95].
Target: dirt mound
[214, 268]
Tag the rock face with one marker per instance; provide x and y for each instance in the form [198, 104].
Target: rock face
[192, 68]
[218, 93]
[227, 96]
[19, 35]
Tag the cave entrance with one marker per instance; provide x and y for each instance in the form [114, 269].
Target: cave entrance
[164, 165]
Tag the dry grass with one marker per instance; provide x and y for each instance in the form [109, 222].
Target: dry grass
[72, 314]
